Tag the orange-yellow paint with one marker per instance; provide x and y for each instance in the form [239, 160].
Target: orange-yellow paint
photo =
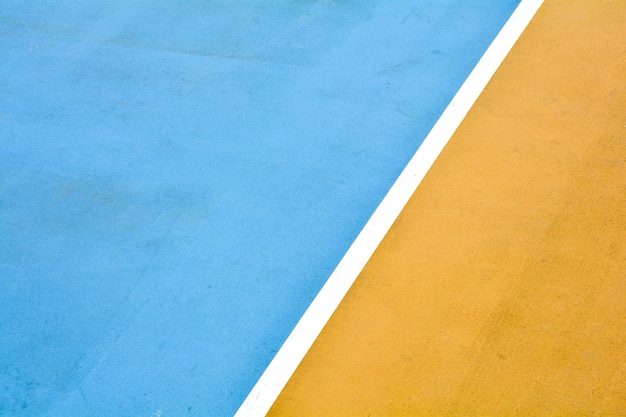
[501, 289]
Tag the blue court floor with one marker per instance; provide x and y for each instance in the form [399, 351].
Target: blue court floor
[179, 179]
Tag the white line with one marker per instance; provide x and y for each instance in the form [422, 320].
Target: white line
[284, 364]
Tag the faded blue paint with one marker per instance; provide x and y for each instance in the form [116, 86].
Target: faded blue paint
[178, 180]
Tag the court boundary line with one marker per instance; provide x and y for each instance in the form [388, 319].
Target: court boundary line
[284, 364]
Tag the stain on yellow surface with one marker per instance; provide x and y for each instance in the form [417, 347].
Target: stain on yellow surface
[501, 288]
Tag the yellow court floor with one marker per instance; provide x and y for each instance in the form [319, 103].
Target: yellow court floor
[501, 288]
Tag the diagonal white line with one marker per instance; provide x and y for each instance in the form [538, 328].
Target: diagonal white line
[284, 364]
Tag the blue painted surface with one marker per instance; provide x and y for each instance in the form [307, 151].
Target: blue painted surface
[178, 180]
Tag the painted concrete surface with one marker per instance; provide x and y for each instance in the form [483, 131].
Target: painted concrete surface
[501, 288]
[178, 179]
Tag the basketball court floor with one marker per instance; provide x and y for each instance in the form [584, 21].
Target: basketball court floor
[313, 208]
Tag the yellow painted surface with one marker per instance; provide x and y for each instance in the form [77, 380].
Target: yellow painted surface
[501, 289]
